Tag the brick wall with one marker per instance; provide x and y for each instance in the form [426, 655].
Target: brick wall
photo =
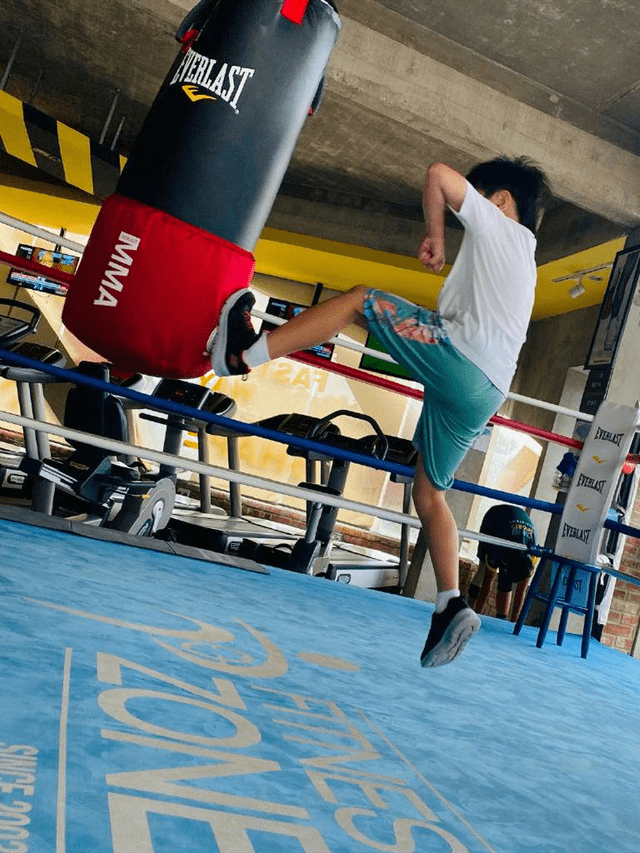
[286, 515]
[624, 615]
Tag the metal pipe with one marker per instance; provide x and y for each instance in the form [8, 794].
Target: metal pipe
[26, 405]
[204, 479]
[122, 447]
[235, 496]
[403, 559]
[34, 91]
[20, 225]
[109, 116]
[7, 70]
[118, 132]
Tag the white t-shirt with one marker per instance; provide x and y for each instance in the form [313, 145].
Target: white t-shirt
[487, 298]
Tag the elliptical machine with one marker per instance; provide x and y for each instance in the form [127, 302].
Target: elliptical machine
[14, 327]
[101, 488]
[313, 553]
[92, 485]
[119, 496]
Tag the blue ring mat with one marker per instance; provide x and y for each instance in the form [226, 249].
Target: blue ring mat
[153, 703]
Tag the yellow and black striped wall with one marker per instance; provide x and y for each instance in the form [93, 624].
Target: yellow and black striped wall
[30, 135]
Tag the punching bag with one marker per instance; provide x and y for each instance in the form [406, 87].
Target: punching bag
[176, 239]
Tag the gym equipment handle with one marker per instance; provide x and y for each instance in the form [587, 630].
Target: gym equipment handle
[25, 327]
[382, 438]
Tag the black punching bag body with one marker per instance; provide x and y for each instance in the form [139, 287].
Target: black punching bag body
[177, 237]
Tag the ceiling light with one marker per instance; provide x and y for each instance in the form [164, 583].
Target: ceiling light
[598, 273]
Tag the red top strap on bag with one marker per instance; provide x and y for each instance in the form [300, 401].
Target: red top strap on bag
[188, 39]
[294, 10]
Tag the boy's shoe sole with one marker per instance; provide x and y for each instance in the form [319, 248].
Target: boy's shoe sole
[463, 626]
[218, 342]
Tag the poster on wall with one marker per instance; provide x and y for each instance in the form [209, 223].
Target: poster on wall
[614, 309]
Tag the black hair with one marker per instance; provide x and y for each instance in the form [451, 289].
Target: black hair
[523, 178]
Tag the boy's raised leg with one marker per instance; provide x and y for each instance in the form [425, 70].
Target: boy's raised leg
[235, 348]
[319, 323]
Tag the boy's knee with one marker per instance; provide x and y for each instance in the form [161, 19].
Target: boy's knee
[358, 294]
[425, 494]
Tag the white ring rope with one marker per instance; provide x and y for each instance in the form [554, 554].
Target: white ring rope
[343, 342]
[550, 407]
[41, 232]
[339, 340]
[121, 447]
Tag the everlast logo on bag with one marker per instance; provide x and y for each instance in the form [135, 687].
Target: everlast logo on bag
[225, 81]
[118, 269]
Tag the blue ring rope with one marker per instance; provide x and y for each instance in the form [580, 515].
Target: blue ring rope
[148, 401]
[548, 554]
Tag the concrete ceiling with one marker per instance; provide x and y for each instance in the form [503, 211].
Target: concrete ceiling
[410, 81]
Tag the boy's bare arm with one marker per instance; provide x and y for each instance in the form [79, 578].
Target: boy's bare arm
[443, 187]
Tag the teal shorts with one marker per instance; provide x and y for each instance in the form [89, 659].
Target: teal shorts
[458, 397]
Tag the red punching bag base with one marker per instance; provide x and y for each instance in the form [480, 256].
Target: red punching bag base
[149, 290]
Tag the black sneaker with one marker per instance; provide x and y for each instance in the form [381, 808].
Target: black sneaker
[449, 632]
[233, 335]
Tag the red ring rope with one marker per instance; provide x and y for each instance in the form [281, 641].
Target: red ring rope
[33, 266]
[390, 385]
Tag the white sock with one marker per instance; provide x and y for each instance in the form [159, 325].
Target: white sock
[443, 598]
[257, 353]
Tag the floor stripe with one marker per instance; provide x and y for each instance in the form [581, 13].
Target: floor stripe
[61, 825]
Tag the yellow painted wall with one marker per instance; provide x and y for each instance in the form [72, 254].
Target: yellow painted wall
[50, 206]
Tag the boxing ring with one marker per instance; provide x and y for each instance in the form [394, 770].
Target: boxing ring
[349, 373]
[340, 369]
[159, 698]
[165, 698]
[155, 702]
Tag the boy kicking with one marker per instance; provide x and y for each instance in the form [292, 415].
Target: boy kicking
[464, 353]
